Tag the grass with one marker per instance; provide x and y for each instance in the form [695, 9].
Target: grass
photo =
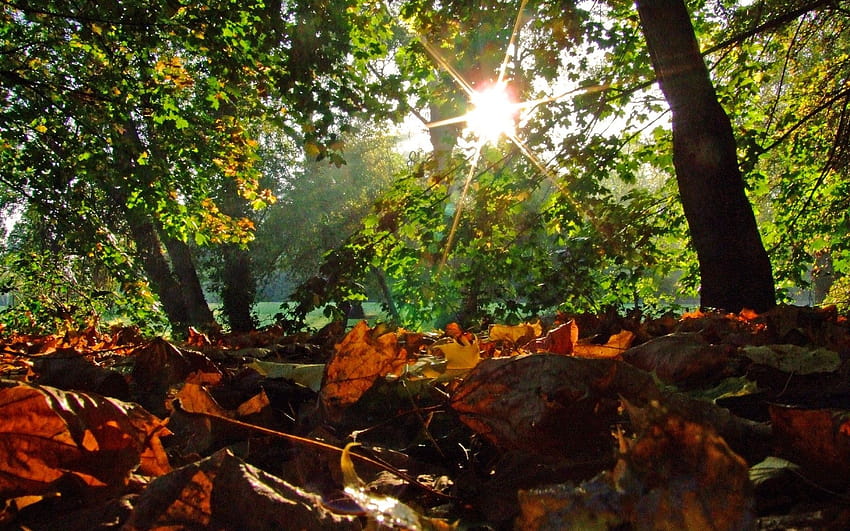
[266, 310]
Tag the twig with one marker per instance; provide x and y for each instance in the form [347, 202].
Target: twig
[313, 442]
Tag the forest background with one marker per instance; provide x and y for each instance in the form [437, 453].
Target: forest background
[158, 156]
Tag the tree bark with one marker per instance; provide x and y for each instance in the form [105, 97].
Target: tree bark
[734, 267]
[197, 309]
[172, 276]
[156, 267]
[238, 288]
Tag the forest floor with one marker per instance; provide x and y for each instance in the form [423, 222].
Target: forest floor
[699, 421]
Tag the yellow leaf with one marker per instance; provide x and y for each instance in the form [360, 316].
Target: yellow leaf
[350, 479]
[516, 334]
[461, 354]
[615, 346]
[41, 128]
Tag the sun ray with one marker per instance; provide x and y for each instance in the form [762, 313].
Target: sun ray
[459, 208]
[503, 68]
[483, 136]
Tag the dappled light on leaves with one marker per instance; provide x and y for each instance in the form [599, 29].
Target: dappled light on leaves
[520, 425]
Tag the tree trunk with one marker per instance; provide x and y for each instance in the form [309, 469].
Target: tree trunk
[734, 267]
[177, 292]
[155, 265]
[238, 288]
[197, 309]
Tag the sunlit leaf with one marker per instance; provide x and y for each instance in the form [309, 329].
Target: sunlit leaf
[516, 334]
[460, 354]
[363, 356]
[48, 434]
[793, 358]
[306, 374]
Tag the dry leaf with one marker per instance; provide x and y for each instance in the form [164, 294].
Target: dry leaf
[613, 348]
[224, 492]
[688, 478]
[360, 359]
[559, 340]
[48, 434]
[460, 354]
[306, 374]
[547, 403]
[793, 358]
[515, 334]
[682, 358]
[816, 439]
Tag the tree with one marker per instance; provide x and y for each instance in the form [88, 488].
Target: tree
[734, 268]
[135, 120]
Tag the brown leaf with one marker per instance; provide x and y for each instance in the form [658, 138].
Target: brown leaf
[545, 402]
[688, 478]
[816, 439]
[360, 359]
[224, 492]
[559, 340]
[676, 475]
[613, 348]
[160, 365]
[682, 358]
[49, 434]
[67, 369]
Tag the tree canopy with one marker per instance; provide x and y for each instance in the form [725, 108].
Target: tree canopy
[142, 140]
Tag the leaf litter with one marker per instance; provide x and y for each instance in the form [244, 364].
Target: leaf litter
[706, 421]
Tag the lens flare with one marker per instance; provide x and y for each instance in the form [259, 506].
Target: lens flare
[493, 114]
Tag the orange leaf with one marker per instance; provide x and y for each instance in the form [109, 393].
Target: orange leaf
[360, 359]
[48, 434]
[559, 340]
[615, 346]
[816, 439]
[224, 492]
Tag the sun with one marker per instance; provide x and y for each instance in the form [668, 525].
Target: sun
[493, 113]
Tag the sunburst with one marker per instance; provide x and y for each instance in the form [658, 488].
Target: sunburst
[495, 114]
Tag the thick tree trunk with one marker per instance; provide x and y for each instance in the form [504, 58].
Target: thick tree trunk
[238, 289]
[734, 267]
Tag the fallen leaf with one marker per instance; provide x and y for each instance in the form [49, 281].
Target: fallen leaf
[516, 334]
[460, 354]
[613, 348]
[816, 439]
[67, 369]
[307, 374]
[559, 340]
[360, 359]
[682, 358]
[48, 434]
[547, 402]
[224, 492]
[793, 358]
[160, 365]
[685, 476]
